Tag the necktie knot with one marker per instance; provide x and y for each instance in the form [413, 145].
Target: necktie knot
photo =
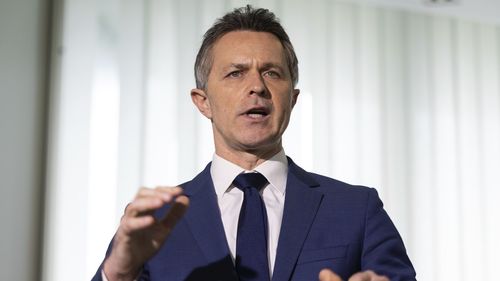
[249, 180]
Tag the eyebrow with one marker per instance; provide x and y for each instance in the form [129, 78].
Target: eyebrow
[270, 65]
[266, 66]
[236, 65]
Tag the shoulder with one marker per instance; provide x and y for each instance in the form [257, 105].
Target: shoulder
[328, 185]
[197, 183]
[348, 196]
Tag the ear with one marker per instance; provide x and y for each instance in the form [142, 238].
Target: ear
[200, 99]
[295, 95]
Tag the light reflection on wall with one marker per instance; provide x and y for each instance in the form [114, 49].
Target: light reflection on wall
[103, 156]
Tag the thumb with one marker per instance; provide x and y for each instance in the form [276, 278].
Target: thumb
[176, 212]
[328, 275]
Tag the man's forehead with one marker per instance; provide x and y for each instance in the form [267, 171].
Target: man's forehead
[239, 47]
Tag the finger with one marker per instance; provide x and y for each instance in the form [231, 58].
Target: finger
[360, 276]
[166, 193]
[176, 212]
[143, 206]
[328, 275]
[133, 224]
[148, 200]
[145, 191]
[173, 190]
[368, 276]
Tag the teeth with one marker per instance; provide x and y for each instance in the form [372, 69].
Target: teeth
[255, 115]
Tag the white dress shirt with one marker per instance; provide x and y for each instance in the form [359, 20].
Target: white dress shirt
[230, 198]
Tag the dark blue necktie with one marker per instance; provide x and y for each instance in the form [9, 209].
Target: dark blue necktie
[251, 240]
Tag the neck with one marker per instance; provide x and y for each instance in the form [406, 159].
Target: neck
[247, 159]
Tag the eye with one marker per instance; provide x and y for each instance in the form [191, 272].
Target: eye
[272, 74]
[235, 74]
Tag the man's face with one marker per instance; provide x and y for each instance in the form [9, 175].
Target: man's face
[249, 95]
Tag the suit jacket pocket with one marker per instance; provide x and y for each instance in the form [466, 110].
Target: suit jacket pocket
[326, 253]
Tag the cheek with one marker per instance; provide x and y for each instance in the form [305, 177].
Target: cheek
[221, 112]
[285, 107]
[285, 113]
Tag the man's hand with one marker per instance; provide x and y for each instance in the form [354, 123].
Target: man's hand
[140, 235]
[328, 275]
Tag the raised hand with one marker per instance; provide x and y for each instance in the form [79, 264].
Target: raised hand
[140, 235]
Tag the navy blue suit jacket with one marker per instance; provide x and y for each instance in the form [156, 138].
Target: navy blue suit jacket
[326, 224]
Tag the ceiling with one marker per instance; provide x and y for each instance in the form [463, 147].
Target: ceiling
[477, 10]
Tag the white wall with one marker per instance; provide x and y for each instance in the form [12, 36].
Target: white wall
[406, 102]
[23, 41]
[476, 10]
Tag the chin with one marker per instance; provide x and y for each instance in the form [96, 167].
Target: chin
[261, 144]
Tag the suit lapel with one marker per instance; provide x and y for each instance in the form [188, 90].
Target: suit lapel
[301, 204]
[204, 220]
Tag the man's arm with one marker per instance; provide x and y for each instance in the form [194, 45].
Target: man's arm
[383, 248]
[384, 255]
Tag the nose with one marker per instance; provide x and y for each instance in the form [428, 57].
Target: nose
[257, 84]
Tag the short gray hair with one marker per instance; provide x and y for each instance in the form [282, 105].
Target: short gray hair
[244, 18]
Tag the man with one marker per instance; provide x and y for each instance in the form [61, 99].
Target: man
[294, 226]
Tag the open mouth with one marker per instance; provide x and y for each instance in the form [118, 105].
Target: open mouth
[257, 112]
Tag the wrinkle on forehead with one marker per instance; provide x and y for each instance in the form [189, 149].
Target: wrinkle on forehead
[242, 49]
[249, 42]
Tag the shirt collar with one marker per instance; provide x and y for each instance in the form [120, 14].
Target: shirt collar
[274, 169]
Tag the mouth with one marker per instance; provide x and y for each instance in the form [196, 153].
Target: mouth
[257, 112]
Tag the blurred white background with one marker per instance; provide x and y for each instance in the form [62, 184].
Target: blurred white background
[403, 96]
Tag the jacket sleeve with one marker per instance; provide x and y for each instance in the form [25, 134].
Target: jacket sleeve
[383, 248]
[99, 275]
